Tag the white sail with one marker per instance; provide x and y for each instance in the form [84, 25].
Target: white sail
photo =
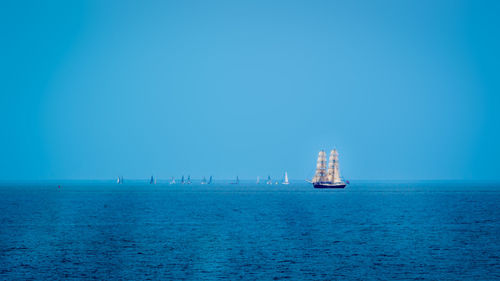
[333, 167]
[320, 175]
[331, 170]
[286, 178]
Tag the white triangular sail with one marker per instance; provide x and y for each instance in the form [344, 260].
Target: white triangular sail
[286, 179]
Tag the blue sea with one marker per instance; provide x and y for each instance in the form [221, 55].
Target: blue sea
[370, 230]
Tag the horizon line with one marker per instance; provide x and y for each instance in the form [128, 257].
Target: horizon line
[242, 179]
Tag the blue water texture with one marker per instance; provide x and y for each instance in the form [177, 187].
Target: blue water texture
[368, 231]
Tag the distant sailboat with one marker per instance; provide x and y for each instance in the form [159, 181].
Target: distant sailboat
[210, 180]
[182, 180]
[172, 181]
[152, 180]
[204, 181]
[286, 179]
[328, 178]
[258, 179]
[188, 180]
[119, 180]
[237, 181]
[269, 180]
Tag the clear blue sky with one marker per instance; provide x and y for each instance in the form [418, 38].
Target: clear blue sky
[97, 89]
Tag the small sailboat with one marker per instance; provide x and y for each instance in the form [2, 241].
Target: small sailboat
[286, 179]
[204, 181]
[210, 180]
[172, 181]
[188, 180]
[330, 178]
[152, 180]
[237, 181]
[182, 180]
[119, 180]
[258, 179]
[269, 180]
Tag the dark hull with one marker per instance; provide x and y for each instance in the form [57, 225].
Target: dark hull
[329, 185]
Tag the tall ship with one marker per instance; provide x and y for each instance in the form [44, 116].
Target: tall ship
[328, 178]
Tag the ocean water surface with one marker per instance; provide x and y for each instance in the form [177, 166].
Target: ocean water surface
[370, 230]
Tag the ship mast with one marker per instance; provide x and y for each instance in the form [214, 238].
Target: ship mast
[333, 167]
[320, 175]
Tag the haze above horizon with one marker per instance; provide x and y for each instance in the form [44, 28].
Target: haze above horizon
[99, 89]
